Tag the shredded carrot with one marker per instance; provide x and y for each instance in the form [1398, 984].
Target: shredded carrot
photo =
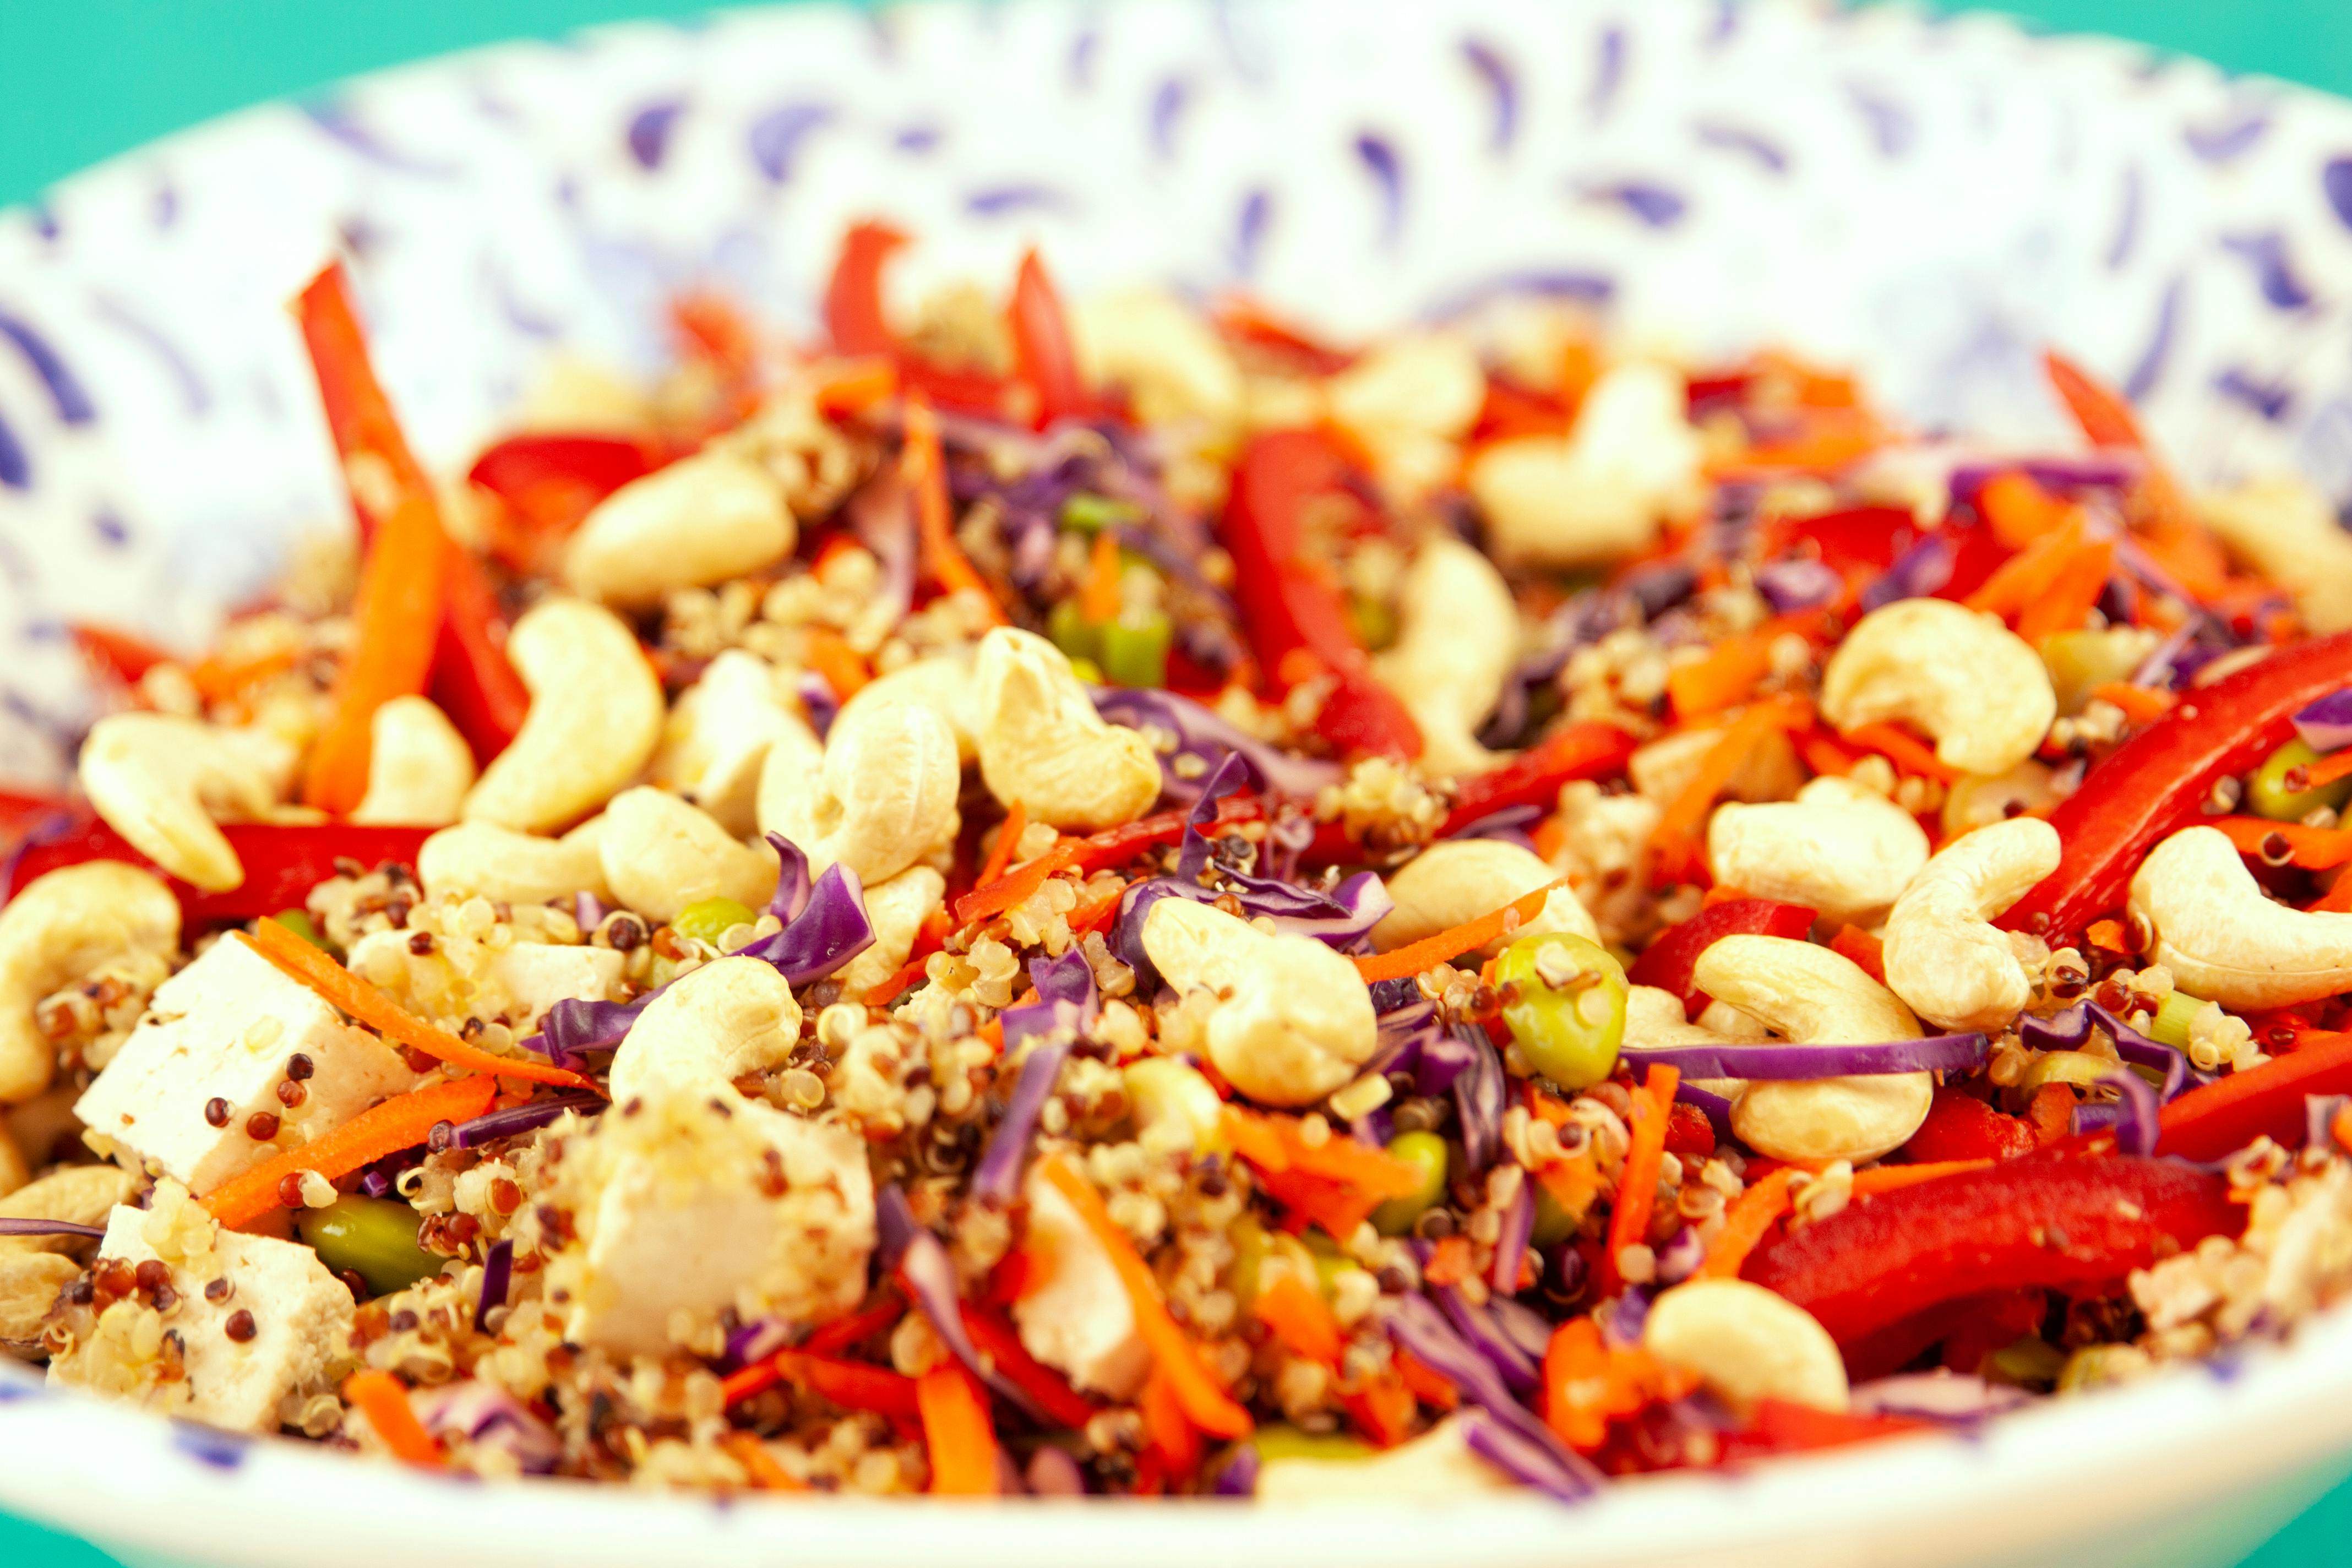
[1867, 951]
[2028, 575]
[2338, 899]
[1829, 439]
[383, 1400]
[901, 979]
[1173, 1438]
[839, 664]
[2328, 769]
[1300, 1318]
[2051, 1113]
[925, 466]
[1450, 1262]
[957, 1431]
[2313, 849]
[216, 678]
[314, 968]
[1098, 596]
[1672, 842]
[1428, 1384]
[1008, 841]
[1413, 958]
[2108, 936]
[1893, 1178]
[1381, 1409]
[1747, 1223]
[1637, 1189]
[2104, 417]
[1825, 756]
[400, 1122]
[1334, 1184]
[2142, 706]
[1903, 748]
[2339, 1127]
[2021, 510]
[843, 1332]
[1587, 1383]
[1092, 914]
[1574, 1182]
[118, 654]
[2072, 593]
[1722, 679]
[746, 1450]
[1016, 885]
[1206, 1403]
[853, 386]
[394, 617]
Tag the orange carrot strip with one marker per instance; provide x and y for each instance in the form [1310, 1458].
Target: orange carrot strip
[853, 386]
[2328, 769]
[957, 1431]
[1008, 839]
[2104, 417]
[216, 678]
[315, 969]
[1746, 1223]
[1637, 1190]
[394, 617]
[1300, 1318]
[117, 654]
[1446, 946]
[2142, 706]
[2338, 899]
[1671, 840]
[1892, 1178]
[1174, 1438]
[746, 1450]
[839, 664]
[1449, 1262]
[1724, 678]
[1575, 1384]
[1867, 951]
[383, 1400]
[1428, 1384]
[1205, 1404]
[2073, 591]
[400, 1122]
[1905, 751]
[1093, 913]
[925, 466]
[995, 898]
[2313, 849]
[2020, 511]
[2026, 575]
[1098, 596]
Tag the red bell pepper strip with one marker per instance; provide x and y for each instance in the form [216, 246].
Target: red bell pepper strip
[2156, 783]
[2072, 1225]
[853, 297]
[1668, 962]
[549, 482]
[1290, 598]
[1041, 349]
[1861, 537]
[282, 864]
[117, 654]
[378, 467]
[2106, 420]
[472, 681]
[1779, 1426]
[1959, 1126]
[1535, 775]
[1963, 1325]
[2230, 1112]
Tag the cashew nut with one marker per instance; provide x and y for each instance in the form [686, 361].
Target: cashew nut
[1810, 995]
[1661, 769]
[661, 854]
[78, 1195]
[1176, 369]
[730, 1018]
[1942, 958]
[1042, 744]
[419, 767]
[2212, 925]
[29, 1283]
[881, 796]
[896, 909]
[1838, 848]
[719, 736]
[1174, 1106]
[1292, 1021]
[1408, 402]
[2289, 531]
[1438, 1466]
[1747, 1343]
[158, 780]
[1458, 879]
[60, 928]
[513, 867]
[1969, 682]
[595, 716]
[1458, 639]
[704, 519]
[1655, 1019]
[942, 683]
[1630, 461]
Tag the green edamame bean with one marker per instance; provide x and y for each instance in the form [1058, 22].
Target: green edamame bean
[1068, 629]
[373, 1237]
[1090, 513]
[2025, 1363]
[1135, 649]
[707, 920]
[2271, 792]
[1565, 1006]
[1425, 1152]
[1554, 1223]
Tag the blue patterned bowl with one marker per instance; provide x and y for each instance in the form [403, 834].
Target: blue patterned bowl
[1929, 201]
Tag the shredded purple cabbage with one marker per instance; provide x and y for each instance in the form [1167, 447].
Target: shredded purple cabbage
[1238, 1478]
[1053, 1473]
[12, 1226]
[920, 1261]
[792, 894]
[1916, 573]
[1623, 1318]
[1510, 824]
[1416, 1323]
[588, 910]
[1938, 1053]
[882, 514]
[1201, 734]
[1511, 1243]
[1507, 1446]
[1944, 1396]
[2059, 475]
[757, 1340]
[483, 1412]
[1679, 1258]
[515, 1120]
[2326, 725]
[1797, 584]
[497, 1273]
[2319, 1113]
[1479, 1093]
[2133, 1118]
[1065, 1005]
[2067, 1030]
[1479, 1330]
[818, 701]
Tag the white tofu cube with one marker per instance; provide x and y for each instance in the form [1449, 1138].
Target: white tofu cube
[282, 1326]
[535, 976]
[226, 1028]
[685, 1202]
[516, 984]
[1080, 1319]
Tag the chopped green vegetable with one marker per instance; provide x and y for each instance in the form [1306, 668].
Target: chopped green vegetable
[1425, 1152]
[2271, 792]
[299, 921]
[2170, 1025]
[1070, 631]
[707, 920]
[1565, 1005]
[374, 1238]
[1135, 649]
[1090, 513]
[1554, 1223]
[1290, 1443]
[2027, 1363]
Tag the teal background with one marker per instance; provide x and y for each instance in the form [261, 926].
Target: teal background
[81, 79]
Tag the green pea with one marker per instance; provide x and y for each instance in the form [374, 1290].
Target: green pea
[1425, 1152]
[1279, 1442]
[1565, 1007]
[2025, 1362]
[373, 1237]
[1554, 1223]
[2170, 1024]
[1090, 513]
[1067, 627]
[707, 920]
[2269, 792]
[1135, 649]
[299, 921]
[1375, 623]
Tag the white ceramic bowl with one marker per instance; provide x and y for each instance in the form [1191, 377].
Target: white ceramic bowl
[1930, 201]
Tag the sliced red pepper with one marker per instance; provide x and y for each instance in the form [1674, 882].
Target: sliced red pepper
[1777, 1427]
[282, 864]
[379, 469]
[118, 653]
[853, 318]
[472, 681]
[1959, 1126]
[1535, 775]
[2057, 1223]
[1290, 598]
[2157, 782]
[1049, 1390]
[1989, 1320]
[2230, 1112]
[1668, 962]
[1862, 537]
[1042, 347]
[2104, 417]
[549, 482]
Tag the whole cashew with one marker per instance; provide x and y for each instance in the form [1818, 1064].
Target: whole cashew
[1810, 995]
[514, 868]
[730, 1017]
[1630, 461]
[595, 717]
[942, 683]
[1963, 677]
[1459, 637]
[1747, 1343]
[1042, 744]
[78, 1195]
[896, 909]
[1293, 1020]
[1942, 957]
[60, 928]
[158, 780]
[1176, 369]
[1458, 879]
[719, 736]
[2289, 531]
[1838, 848]
[419, 767]
[2212, 925]
[1173, 1105]
[661, 854]
[881, 797]
[704, 519]
[1655, 1019]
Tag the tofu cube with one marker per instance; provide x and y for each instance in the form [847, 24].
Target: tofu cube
[224, 1029]
[293, 1334]
[516, 984]
[1080, 1319]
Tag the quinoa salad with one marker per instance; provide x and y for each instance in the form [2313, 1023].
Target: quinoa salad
[1111, 898]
